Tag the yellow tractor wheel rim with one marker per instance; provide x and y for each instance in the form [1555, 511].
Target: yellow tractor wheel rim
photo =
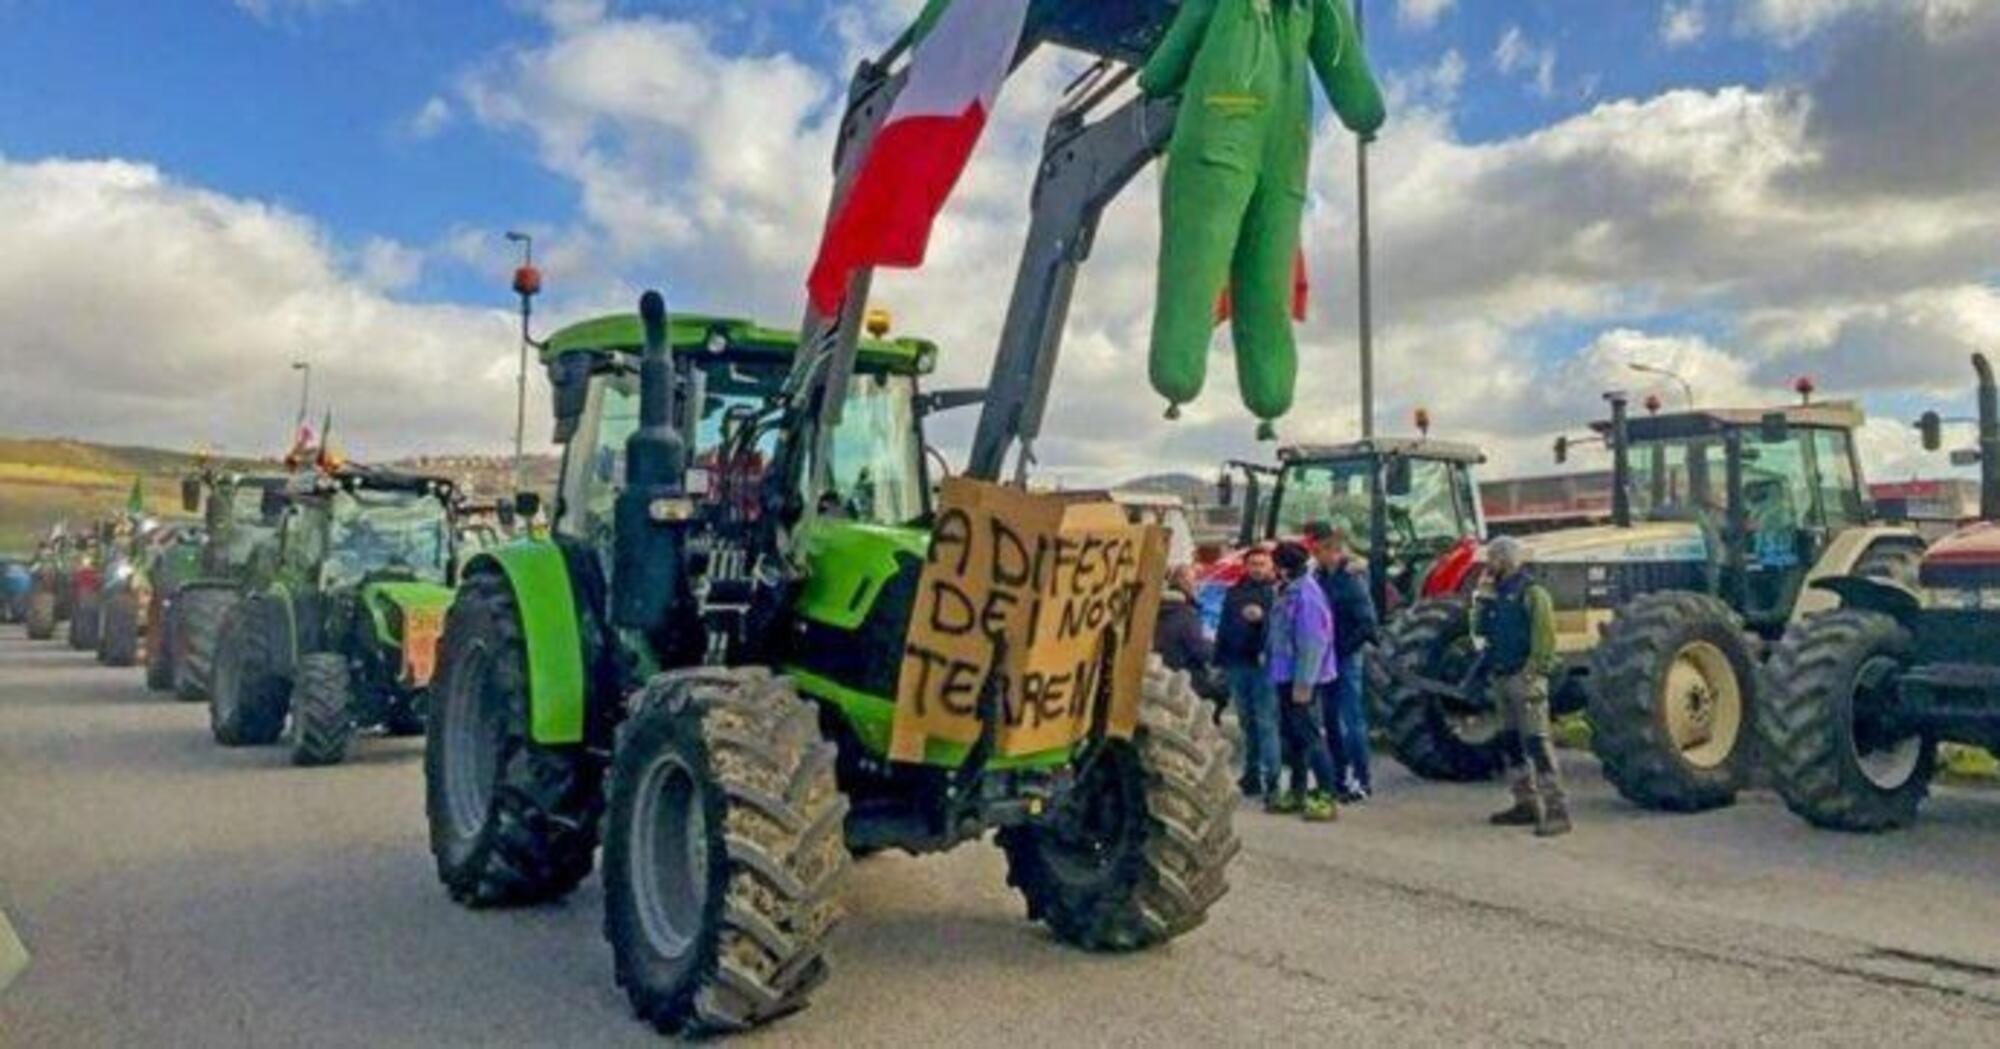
[1703, 704]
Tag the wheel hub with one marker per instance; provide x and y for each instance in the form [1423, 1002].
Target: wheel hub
[1887, 753]
[1703, 704]
[670, 855]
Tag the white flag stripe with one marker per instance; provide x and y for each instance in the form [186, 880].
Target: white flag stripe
[963, 59]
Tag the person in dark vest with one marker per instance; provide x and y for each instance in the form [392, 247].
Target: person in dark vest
[1514, 624]
[1239, 650]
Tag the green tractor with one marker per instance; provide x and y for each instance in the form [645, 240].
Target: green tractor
[239, 514]
[150, 557]
[49, 587]
[1857, 699]
[338, 631]
[1723, 520]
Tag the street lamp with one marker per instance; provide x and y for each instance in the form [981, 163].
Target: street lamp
[1668, 373]
[1365, 282]
[305, 370]
[527, 284]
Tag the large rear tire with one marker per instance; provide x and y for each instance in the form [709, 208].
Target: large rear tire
[1433, 640]
[197, 629]
[249, 694]
[322, 710]
[723, 851]
[1137, 852]
[1826, 721]
[118, 642]
[512, 821]
[159, 645]
[1672, 695]
[41, 616]
[83, 623]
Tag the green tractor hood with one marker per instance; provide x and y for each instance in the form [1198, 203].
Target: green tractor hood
[392, 605]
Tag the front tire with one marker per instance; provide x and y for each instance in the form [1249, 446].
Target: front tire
[159, 645]
[118, 643]
[1831, 744]
[322, 711]
[512, 821]
[1673, 691]
[41, 616]
[1139, 851]
[723, 850]
[249, 693]
[197, 630]
[1433, 640]
[83, 624]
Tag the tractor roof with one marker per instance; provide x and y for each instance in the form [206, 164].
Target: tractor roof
[1667, 426]
[1375, 447]
[687, 333]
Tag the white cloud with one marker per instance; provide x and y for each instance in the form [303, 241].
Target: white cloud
[430, 119]
[1682, 23]
[1790, 22]
[1515, 53]
[189, 336]
[1421, 14]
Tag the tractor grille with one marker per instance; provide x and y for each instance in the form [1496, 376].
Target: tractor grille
[1610, 584]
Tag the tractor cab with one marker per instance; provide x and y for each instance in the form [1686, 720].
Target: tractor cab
[358, 525]
[1742, 499]
[1414, 499]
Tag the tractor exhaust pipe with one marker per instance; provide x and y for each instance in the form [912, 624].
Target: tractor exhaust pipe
[1989, 440]
[1621, 460]
[652, 510]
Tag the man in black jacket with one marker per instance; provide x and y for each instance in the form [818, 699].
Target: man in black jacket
[1239, 650]
[1344, 700]
[1177, 635]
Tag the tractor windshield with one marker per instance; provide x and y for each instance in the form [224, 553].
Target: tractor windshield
[1438, 507]
[877, 469]
[1689, 476]
[376, 531]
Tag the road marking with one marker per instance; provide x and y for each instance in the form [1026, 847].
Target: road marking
[13, 956]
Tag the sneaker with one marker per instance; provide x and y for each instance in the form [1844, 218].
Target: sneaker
[1283, 803]
[1353, 794]
[1523, 814]
[1319, 807]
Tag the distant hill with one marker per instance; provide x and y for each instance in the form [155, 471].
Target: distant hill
[1194, 491]
[45, 481]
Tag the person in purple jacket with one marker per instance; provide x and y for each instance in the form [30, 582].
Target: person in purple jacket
[1299, 652]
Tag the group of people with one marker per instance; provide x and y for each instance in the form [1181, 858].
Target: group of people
[1291, 648]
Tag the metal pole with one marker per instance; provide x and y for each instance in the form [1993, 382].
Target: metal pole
[527, 294]
[305, 370]
[1365, 285]
[1687, 388]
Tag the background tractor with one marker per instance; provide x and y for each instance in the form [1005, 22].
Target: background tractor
[49, 592]
[1721, 521]
[239, 513]
[152, 554]
[95, 550]
[1415, 500]
[701, 664]
[1857, 699]
[339, 633]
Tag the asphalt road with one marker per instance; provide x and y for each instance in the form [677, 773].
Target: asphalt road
[174, 893]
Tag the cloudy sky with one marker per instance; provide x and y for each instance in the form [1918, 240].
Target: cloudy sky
[195, 194]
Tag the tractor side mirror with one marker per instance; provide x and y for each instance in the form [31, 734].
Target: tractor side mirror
[1774, 428]
[526, 505]
[1225, 489]
[1562, 451]
[191, 494]
[1399, 477]
[1930, 426]
[938, 401]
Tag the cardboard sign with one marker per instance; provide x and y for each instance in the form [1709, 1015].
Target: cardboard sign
[422, 627]
[1061, 579]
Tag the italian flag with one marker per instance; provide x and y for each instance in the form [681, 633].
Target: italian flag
[963, 50]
